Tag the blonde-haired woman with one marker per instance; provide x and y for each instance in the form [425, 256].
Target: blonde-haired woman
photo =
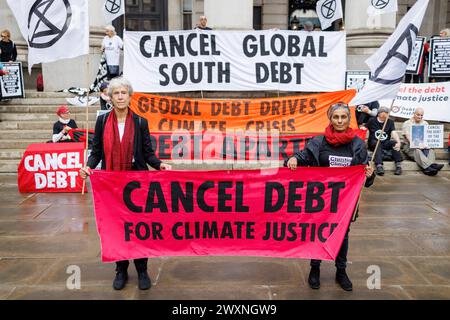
[111, 46]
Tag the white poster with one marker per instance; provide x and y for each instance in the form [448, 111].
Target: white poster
[356, 79]
[235, 60]
[432, 97]
[54, 30]
[429, 136]
[439, 57]
[12, 83]
[416, 56]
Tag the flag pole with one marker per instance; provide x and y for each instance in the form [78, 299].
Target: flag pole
[87, 122]
[371, 160]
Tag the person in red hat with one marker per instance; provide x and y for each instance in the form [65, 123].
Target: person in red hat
[63, 125]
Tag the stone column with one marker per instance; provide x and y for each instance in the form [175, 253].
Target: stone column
[230, 14]
[364, 34]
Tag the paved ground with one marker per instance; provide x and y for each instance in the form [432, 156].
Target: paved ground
[404, 229]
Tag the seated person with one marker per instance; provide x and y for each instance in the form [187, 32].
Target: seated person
[389, 141]
[366, 111]
[104, 98]
[423, 156]
[63, 125]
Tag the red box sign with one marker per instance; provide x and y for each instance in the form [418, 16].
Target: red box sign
[51, 167]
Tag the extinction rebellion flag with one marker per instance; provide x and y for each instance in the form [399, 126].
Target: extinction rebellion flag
[113, 9]
[53, 29]
[276, 213]
[388, 64]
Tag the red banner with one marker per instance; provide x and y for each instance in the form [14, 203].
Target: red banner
[243, 146]
[51, 167]
[280, 213]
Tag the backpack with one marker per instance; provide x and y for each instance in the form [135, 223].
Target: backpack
[40, 82]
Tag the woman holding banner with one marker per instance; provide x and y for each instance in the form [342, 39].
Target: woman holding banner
[340, 146]
[122, 142]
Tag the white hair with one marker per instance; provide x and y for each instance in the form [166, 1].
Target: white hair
[110, 28]
[117, 83]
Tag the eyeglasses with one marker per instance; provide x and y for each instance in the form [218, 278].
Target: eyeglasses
[4, 36]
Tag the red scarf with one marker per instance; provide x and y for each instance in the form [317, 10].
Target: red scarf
[339, 138]
[118, 154]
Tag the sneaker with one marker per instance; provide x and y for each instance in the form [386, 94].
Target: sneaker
[398, 171]
[144, 280]
[380, 170]
[314, 278]
[343, 280]
[120, 280]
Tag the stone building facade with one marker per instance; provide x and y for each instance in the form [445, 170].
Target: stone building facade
[364, 35]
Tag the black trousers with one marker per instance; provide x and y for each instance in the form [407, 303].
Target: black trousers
[341, 259]
[385, 145]
[140, 264]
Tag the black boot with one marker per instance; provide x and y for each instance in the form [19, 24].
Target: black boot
[314, 278]
[430, 171]
[343, 280]
[437, 166]
[380, 170]
[398, 169]
[144, 280]
[120, 280]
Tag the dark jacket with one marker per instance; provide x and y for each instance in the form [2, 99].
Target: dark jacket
[8, 51]
[309, 156]
[143, 151]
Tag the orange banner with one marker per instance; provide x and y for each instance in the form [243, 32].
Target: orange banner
[294, 114]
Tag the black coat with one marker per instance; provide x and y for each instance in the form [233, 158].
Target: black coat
[142, 152]
[8, 51]
[309, 156]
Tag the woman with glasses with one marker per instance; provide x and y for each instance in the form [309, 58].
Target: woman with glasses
[8, 50]
[339, 146]
[63, 125]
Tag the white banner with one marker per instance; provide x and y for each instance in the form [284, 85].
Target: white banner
[113, 9]
[432, 97]
[235, 60]
[381, 7]
[328, 11]
[54, 30]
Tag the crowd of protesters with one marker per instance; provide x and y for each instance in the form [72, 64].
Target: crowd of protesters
[121, 127]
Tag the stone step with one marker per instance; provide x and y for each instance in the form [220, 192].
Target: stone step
[39, 101]
[25, 134]
[49, 109]
[11, 154]
[43, 117]
[46, 94]
[20, 144]
[37, 125]
[10, 166]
